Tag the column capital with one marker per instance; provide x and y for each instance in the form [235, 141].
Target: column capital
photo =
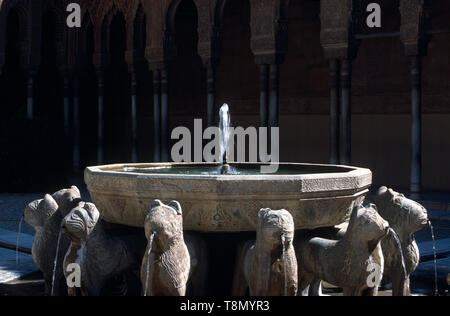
[415, 20]
[160, 65]
[269, 58]
[100, 61]
[210, 47]
[210, 62]
[338, 24]
[269, 29]
[134, 58]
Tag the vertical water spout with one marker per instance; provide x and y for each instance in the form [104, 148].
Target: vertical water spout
[147, 276]
[436, 289]
[283, 243]
[224, 127]
[55, 262]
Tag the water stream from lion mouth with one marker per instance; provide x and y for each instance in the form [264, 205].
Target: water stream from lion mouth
[436, 289]
[283, 242]
[147, 276]
[400, 249]
[55, 262]
[19, 232]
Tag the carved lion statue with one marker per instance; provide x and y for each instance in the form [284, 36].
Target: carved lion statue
[45, 216]
[405, 217]
[269, 264]
[100, 256]
[173, 262]
[348, 262]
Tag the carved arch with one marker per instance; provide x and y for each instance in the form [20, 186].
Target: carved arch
[21, 10]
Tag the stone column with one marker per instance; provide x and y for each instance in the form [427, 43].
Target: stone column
[346, 112]
[334, 110]
[157, 114]
[100, 124]
[416, 126]
[30, 94]
[211, 91]
[164, 115]
[274, 95]
[416, 19]
[76, 125]
[263, 94]
[134, 122]
[66, 106]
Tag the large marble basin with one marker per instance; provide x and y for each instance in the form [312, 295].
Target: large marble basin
[316, 195]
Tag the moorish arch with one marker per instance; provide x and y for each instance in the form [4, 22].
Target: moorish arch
[20, 9]
[117, 112]
[13, 104]
[237, 73]
[48, 100]
[303, 86]
[378, 81]
[436, 93]
[12, 76]
[48, 109]
[141, 89]
[87, 91]
[187, 77]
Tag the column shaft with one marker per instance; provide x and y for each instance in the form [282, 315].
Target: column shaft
[30, 96]
[157, 115]
[274, 95]
[164, 116]
[66, 106]
[134, 122]
[334, 110]
[346, 113]
[211, 90]
[263, 94]
[100, 128]
[416, 126]
[76, 126]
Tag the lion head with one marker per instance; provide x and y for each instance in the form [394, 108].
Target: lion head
[39, 211]
[165, 221]
[80, 222]
[368, 225]
[67, 199]
[403, 214]
[273, 225]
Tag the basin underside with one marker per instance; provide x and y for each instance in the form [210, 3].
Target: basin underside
[316, 196]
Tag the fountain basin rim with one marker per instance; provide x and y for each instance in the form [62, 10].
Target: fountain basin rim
[229, 203]
[117, 170]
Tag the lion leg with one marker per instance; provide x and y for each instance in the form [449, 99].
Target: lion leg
[372, 291]
[72, 291]
[399, 287]
[304, 282]
[240, 285]
[351, 291]
[315, 289]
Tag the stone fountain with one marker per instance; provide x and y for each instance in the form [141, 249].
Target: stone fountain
[210, 199]
[217, 200]
[316, 195]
